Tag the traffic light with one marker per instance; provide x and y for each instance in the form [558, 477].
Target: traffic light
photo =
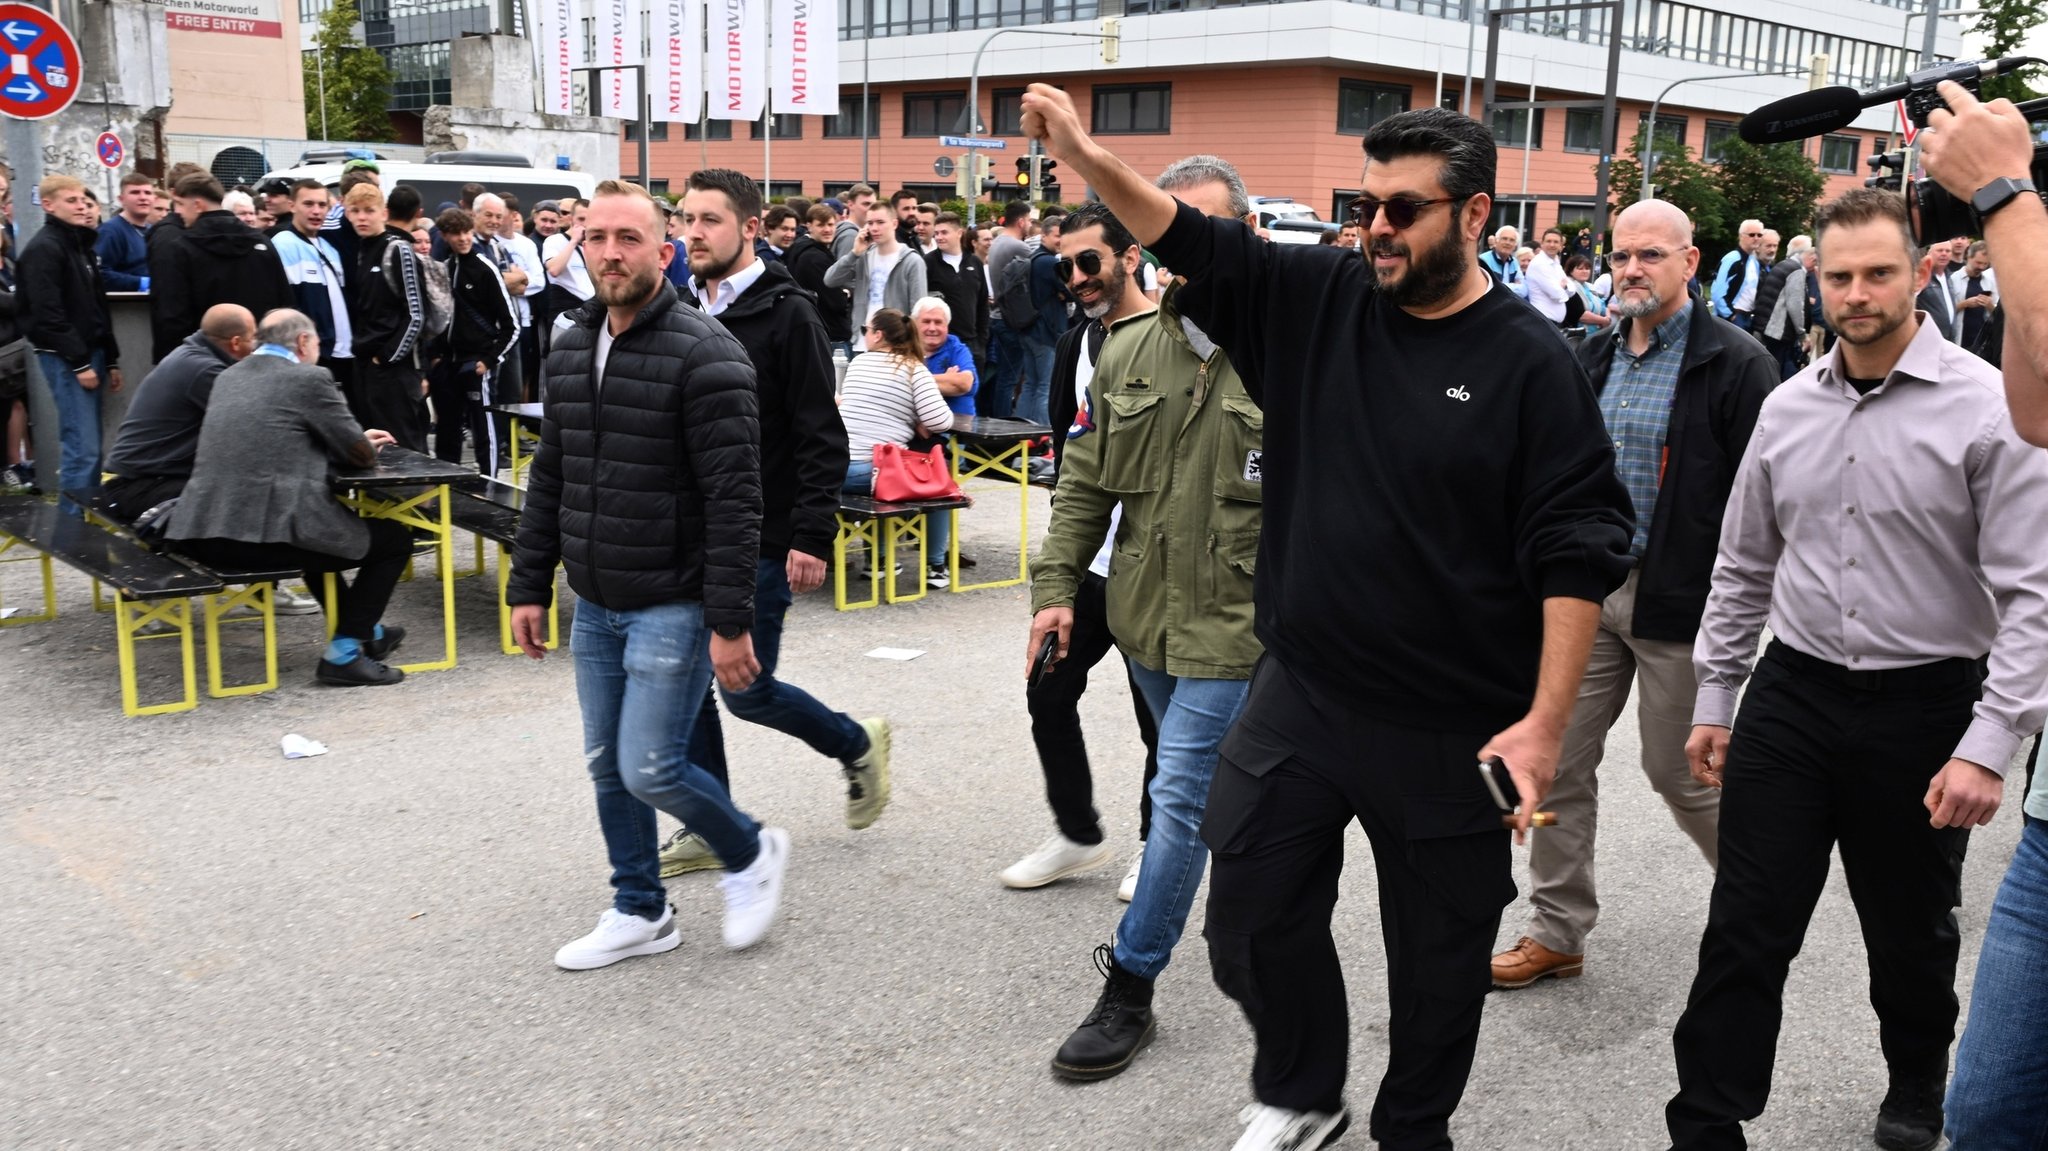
[1024, 171]
[984, 174]
[1048, 180]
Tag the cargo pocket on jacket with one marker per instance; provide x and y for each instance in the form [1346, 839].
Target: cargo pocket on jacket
[1240, 451]
[1129, 440]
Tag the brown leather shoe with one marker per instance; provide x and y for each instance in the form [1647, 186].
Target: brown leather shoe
[1527, 961]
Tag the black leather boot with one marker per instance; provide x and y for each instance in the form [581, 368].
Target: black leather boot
[1113, 1034]
[1910, 1117]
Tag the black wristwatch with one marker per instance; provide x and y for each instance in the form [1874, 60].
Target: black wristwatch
[729, 631]
[1997, 194]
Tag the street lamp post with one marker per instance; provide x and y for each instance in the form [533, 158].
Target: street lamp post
[1648, 161]
[974, 97]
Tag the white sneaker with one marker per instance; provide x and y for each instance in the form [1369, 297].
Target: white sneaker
[752, 896]
[289, 602]
[1129, 887]
[620, 936]
[1054, 860]
[1278, 1129]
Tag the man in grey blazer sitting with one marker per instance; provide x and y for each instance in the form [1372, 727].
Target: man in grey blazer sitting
[259, 497]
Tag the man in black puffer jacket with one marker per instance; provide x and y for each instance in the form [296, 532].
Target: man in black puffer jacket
[216, 260]
[803, 466]
[647, 485]
[69, 328]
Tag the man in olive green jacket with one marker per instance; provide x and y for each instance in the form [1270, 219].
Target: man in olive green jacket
[1176, 441]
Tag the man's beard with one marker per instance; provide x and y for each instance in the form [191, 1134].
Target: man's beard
[1633, 309]
[636, 288]
[1110, 288]
[713, 267]
[1431, 276]
[1888, 322]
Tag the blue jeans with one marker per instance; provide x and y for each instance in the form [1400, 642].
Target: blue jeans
[1034, 403]
[78, 423]
[640, 678]
[1999, 1098]
[1193, 714]
[860, 479]
[996, 397]
[769, 701]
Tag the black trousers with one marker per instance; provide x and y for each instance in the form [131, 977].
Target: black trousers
[1822, 757]
[125, 497]
[460, 404]
[361, 601]
[387, 396]
[529, 364]
[1301, 763]
[1055, 706]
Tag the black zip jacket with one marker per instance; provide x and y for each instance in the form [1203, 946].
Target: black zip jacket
[1721, 386]
[647, 488]
[218, 260]
[803, 441]
[808, 261]
[1065, 402]
[965, 291]
[388, 321]
[484, 327]
[59, 279]
[1427, 483]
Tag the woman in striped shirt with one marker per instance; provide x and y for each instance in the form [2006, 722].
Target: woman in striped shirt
[889, 397]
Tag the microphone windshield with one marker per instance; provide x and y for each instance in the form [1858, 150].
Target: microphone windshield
[1801, 115]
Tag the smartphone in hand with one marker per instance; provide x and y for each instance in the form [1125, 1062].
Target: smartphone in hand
[1044, 661]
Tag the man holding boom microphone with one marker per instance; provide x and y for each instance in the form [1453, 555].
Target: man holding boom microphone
[1982, 153]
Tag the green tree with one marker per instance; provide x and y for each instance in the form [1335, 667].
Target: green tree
[1775, 183]
[1680, 179]
[354, 80]
[2004, 25]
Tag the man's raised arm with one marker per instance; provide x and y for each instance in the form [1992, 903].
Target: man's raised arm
[1049, 118]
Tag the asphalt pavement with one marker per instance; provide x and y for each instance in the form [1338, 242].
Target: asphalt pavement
[213, 946]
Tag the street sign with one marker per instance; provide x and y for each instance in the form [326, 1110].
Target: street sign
[42, 70]
[961, 141]
[1907, 128]
[942, 167]
[110, 150]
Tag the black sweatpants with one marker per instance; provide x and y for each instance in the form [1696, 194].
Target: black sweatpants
[362, 600]
[1821, 756]
[387, 396]
[1055, 706]
[1301, 763]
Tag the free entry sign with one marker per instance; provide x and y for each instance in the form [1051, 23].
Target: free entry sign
[42, 71]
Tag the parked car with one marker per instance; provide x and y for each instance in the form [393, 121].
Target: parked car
[1289, 222]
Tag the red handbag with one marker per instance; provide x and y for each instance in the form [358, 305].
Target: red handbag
[902, 475]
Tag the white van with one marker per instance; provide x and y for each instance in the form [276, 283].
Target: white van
[441, 178]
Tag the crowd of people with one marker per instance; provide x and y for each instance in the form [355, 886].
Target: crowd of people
[1329, 606]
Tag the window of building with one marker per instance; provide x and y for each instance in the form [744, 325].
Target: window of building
[1719, 132]
[788, 126]
[784, 189]
[1582, 130]
[1009, 113]
[1518, 214]
[1838, 153]
[930, 193]
[658, 130]
[1518, 127]
[658, 187]
[932, 113]
[1670, 129]
[1340, 203]
[1133, 109]
[713, 130]
[848, 123]
[1360, 105]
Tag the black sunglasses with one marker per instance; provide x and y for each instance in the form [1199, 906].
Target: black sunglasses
[1400, 213]
[1089, 260]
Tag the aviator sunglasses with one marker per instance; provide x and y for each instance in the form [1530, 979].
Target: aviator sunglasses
[1400, 213]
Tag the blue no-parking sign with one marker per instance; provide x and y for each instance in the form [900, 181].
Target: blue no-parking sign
[41, 69]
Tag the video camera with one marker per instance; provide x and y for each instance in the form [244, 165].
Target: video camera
[1935, 214]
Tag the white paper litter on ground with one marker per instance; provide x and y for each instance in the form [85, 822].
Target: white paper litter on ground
[895, 653]
[9, 612]
[297, 746]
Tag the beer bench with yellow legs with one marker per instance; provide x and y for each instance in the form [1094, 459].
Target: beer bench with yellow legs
[489, 509]
[880, 526]
[148, 588]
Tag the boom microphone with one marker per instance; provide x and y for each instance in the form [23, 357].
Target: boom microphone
[1823, 110]
[1802, 114]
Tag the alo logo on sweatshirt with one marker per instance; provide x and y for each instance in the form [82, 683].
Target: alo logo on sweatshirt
[1458, 393]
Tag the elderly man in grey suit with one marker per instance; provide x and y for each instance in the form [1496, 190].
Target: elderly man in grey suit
[259, 497]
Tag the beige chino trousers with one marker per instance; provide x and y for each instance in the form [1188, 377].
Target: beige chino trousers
[1565, 904]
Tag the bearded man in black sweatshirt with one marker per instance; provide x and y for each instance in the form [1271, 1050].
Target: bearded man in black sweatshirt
[1442, 521]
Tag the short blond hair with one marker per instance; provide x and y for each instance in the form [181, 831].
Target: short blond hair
[632, 191]
[56, 185]
[363, 196]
